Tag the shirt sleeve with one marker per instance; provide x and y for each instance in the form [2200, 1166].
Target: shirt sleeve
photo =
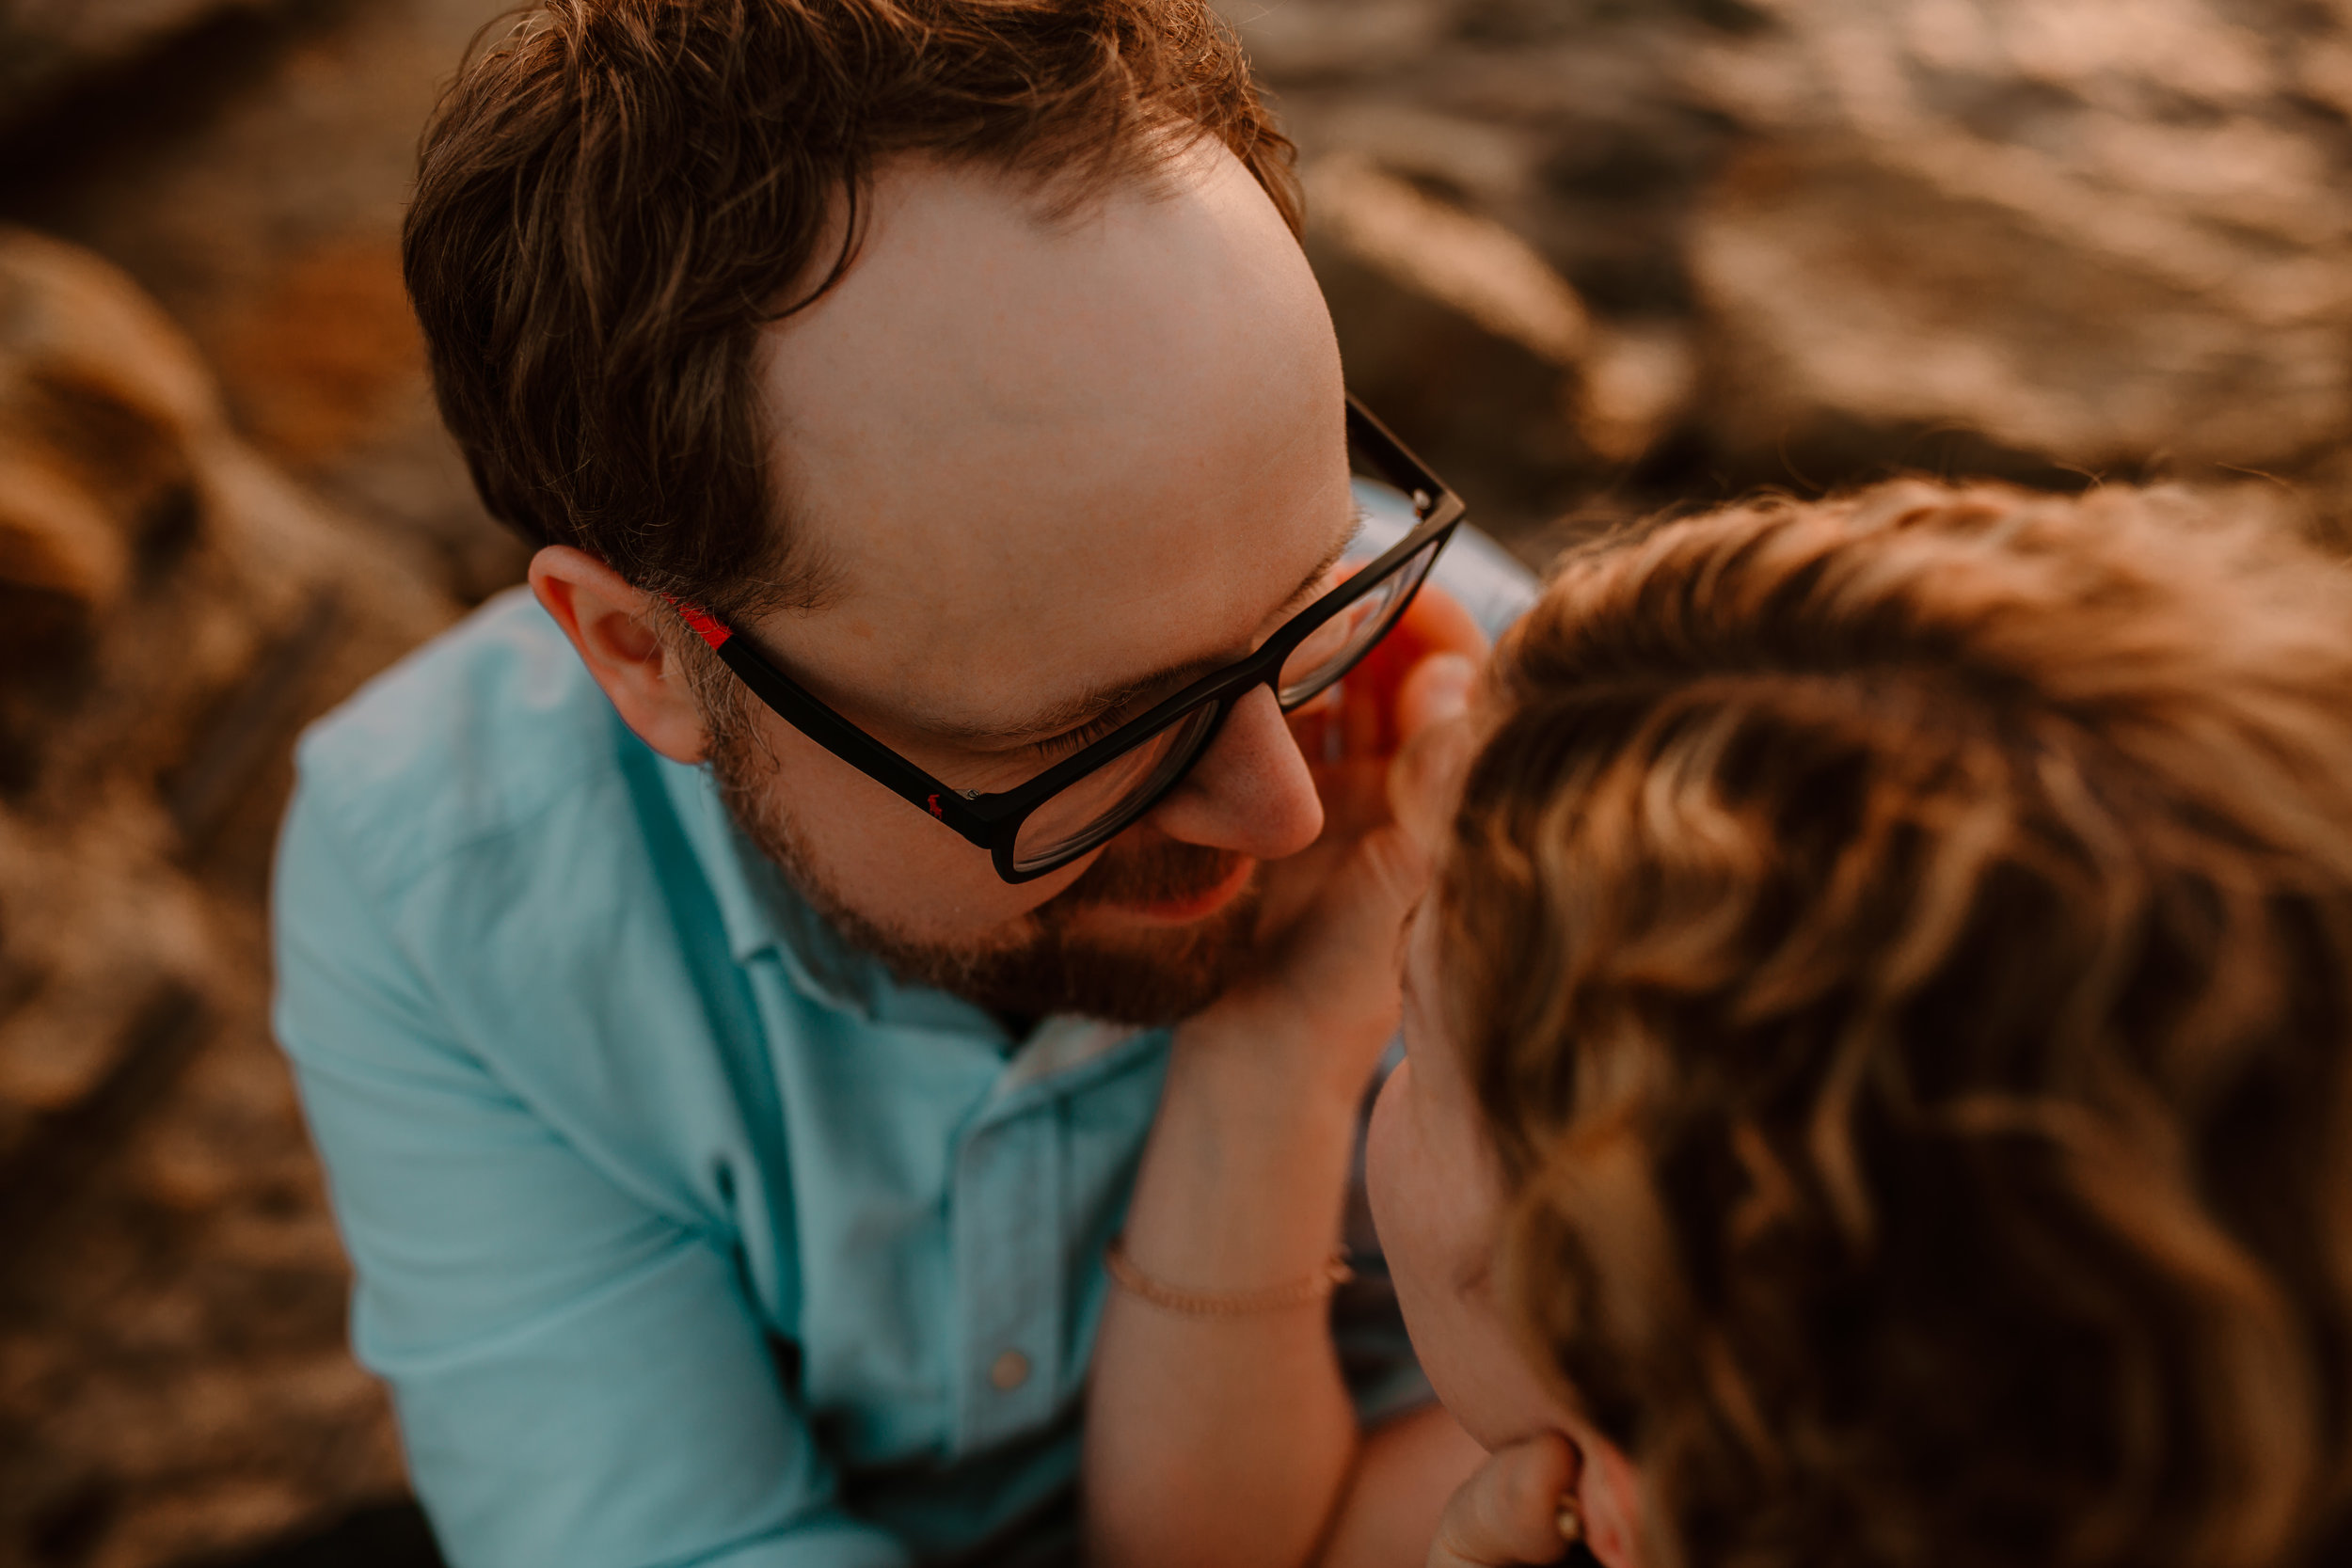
[579, 1378]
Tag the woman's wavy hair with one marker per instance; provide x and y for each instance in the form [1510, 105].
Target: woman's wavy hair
[617, 196]
[1902, 945]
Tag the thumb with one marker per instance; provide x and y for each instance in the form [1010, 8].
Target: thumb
[1505, 1512]
[1438, 689]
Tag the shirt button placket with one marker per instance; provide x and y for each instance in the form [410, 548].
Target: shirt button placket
[1009, 1287]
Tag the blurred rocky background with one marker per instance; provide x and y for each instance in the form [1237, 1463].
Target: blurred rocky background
[1605, 255]
[1593, 258]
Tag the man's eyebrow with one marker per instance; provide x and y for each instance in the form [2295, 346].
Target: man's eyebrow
[1069, 713]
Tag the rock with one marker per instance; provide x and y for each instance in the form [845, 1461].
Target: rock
[1550, 130]
[98, 398]
[2103, 233]
[1639, 381]
[1476, 163]
[170, 1302]
[1452, 256]
[1816, 240]
[46, 46]
[1306, 38]
[1462, 333]
[1453, 328]
[168, 565]
[252, 180]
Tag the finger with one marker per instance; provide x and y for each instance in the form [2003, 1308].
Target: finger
[1426, 778]
[1436, 690]
[1366, 717]
[1508, 1512]
[1433, 623]
[1437, 619]
[1335, 964]
[1352, 928]
[1392, 871]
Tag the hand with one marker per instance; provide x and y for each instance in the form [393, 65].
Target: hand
[1230, 1440]
[1352, 733]
[1508, 1512]
[1332, 913]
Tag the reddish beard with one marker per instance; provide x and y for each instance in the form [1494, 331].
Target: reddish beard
[1061, 962]
[1137, 873]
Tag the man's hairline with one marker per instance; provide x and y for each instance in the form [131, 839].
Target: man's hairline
[808, 578]
[802, 578]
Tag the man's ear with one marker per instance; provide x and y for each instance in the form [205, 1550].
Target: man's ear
[610, 625]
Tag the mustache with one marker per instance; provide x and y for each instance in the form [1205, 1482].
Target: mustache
[1160, 872]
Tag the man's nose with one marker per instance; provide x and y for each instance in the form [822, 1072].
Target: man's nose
[1251, 793]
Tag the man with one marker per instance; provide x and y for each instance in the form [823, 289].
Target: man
[685, 967]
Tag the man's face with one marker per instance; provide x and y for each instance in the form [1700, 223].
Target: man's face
[1042, 465]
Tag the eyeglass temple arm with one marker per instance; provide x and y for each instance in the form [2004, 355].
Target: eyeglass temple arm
[1392, 454]
[836, 734]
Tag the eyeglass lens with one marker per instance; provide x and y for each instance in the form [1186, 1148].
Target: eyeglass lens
[1097, 805]
[1103, 801]
[1332, 648]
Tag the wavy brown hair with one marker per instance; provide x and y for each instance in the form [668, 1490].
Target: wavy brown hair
[617, 196]
[1904, 947]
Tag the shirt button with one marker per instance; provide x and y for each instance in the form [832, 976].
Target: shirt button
[1009, 1371]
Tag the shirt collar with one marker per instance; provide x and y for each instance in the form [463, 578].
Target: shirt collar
[763, 917]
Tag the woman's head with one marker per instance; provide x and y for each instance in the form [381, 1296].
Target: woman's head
[1895, 954]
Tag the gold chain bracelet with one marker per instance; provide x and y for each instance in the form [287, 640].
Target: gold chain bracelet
[1223, 1303]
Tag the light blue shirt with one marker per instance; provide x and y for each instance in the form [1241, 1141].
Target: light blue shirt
[683, 1233]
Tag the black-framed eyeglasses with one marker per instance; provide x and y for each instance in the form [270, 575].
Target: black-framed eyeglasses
[1084, 799]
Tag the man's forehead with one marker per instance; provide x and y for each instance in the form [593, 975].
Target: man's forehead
[1074, 453]
[1066, 698]
[1041, 647]
[967, 324]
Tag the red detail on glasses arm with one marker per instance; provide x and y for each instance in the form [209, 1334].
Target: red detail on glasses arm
[935, 811]
[709, 629]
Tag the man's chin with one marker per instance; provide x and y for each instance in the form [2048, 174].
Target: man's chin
[1102, 962]
[1151, 932]
[1170, 912]
[1116, 965]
